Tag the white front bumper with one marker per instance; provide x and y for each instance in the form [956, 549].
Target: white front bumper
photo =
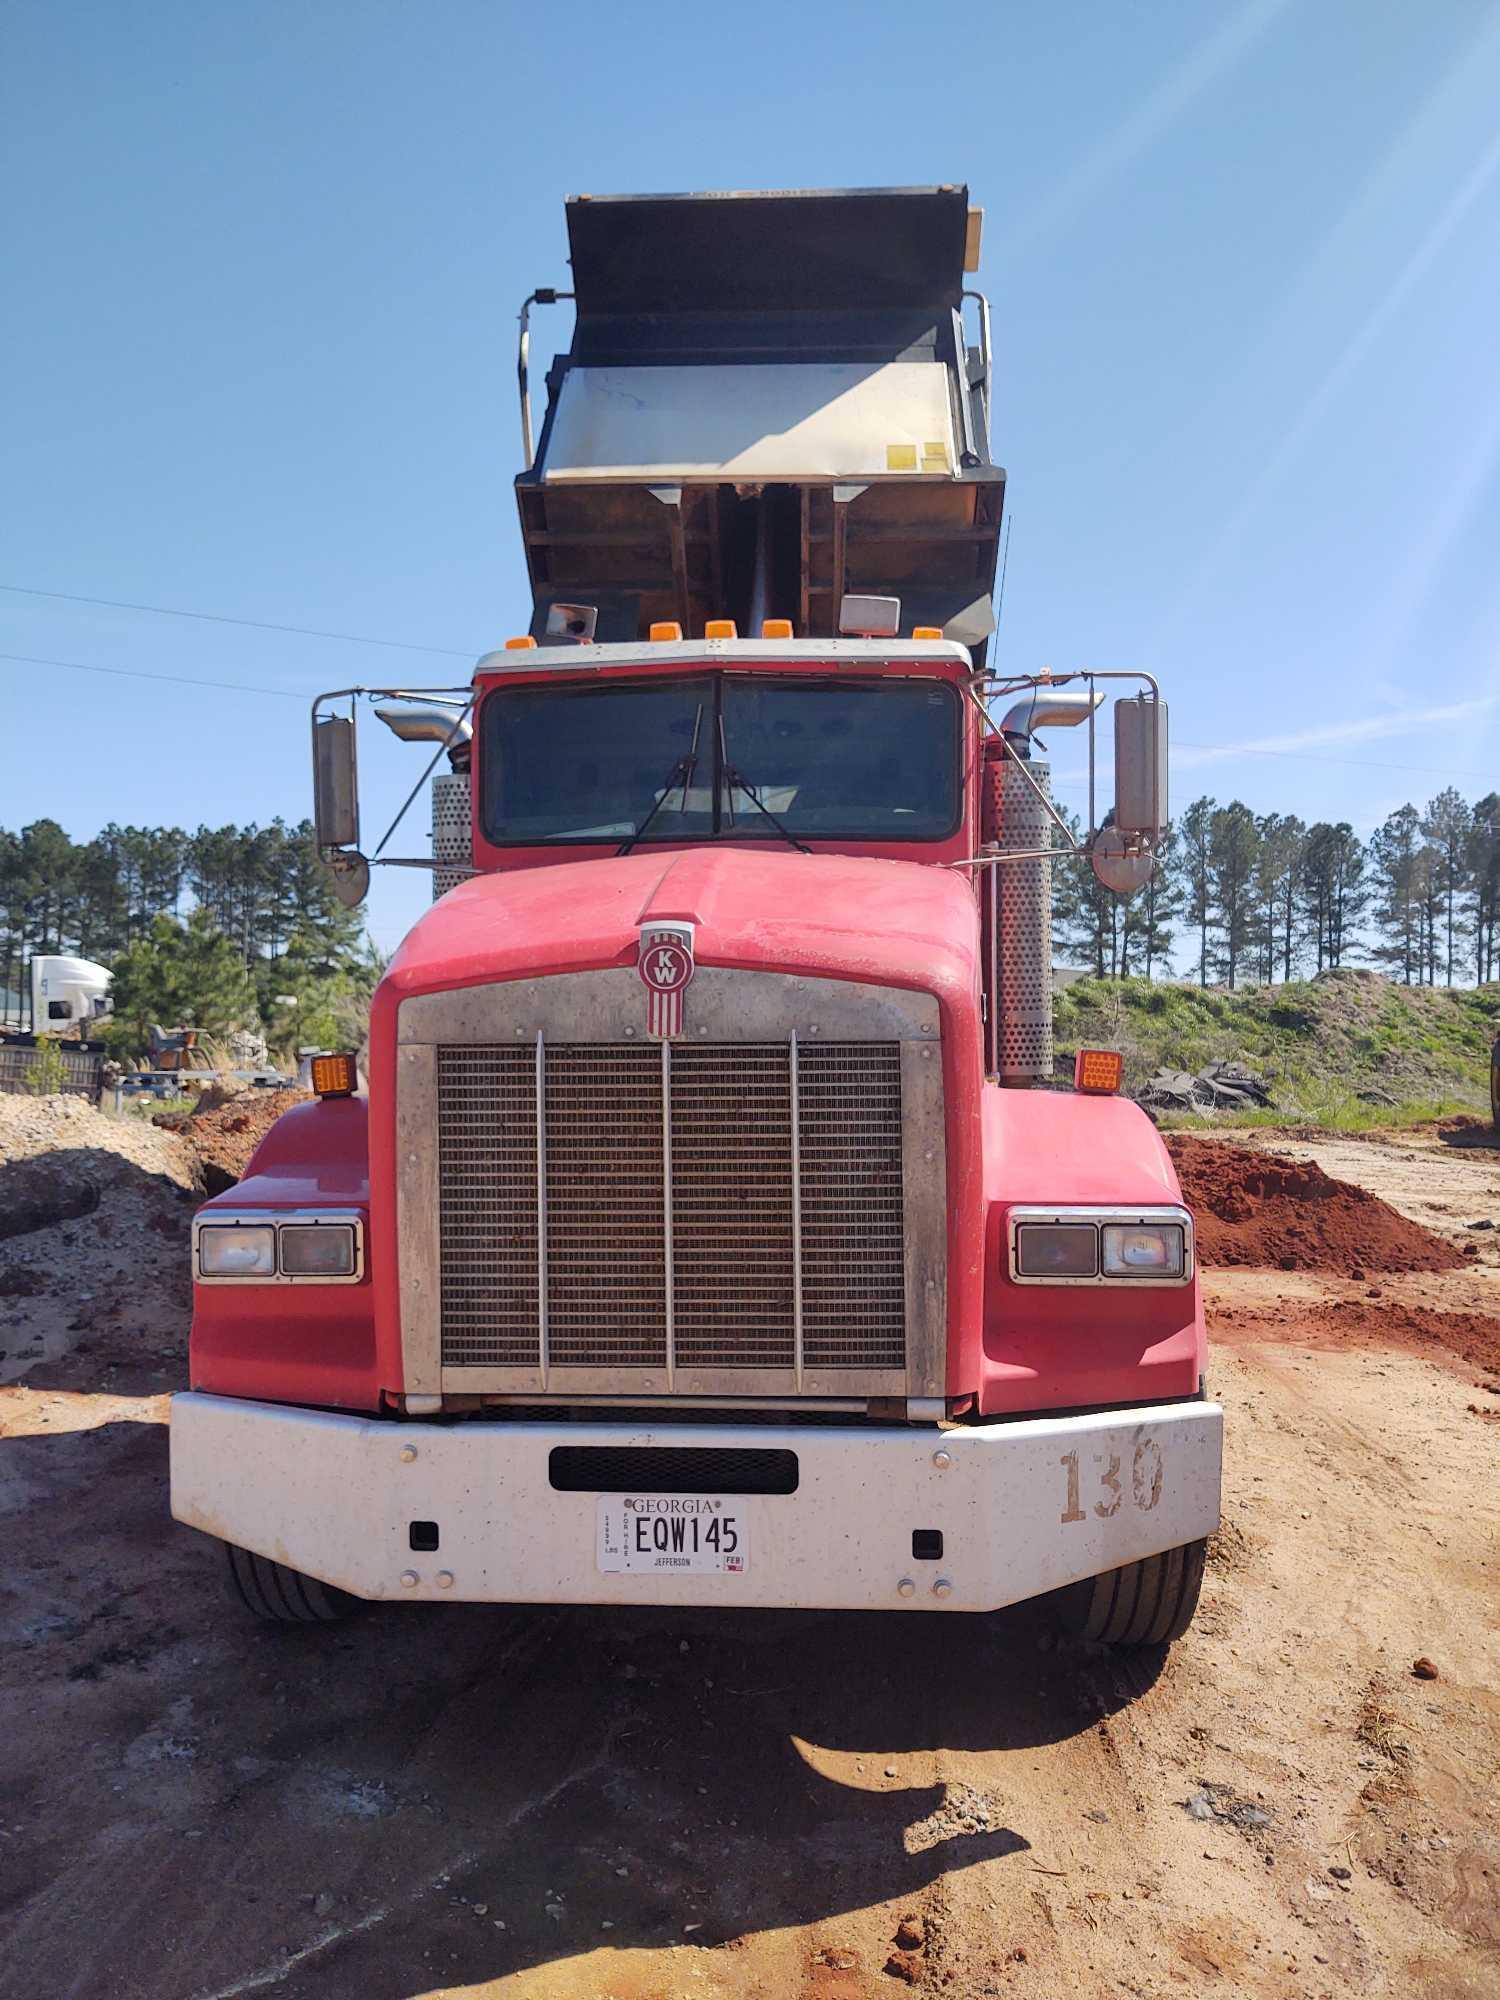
[1023, 1507]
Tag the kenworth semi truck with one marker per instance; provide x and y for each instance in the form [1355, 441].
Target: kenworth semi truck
[706, 1223]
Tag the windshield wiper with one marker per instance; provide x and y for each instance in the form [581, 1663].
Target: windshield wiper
[681, 773]
[735, 779]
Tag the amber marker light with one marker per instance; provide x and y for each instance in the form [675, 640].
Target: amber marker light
[721, 628]
[776, 628]
[1098, 1072]
[927, 631]
[334, 1076]
[666, 628]
[525, 644]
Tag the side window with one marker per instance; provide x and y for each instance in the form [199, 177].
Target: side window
[59, 1010]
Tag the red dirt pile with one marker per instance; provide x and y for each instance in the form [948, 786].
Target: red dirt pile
[224, 1132]
[1471, 1338]
[1252, 1209]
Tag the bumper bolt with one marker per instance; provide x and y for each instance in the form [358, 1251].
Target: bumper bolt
[942, 1460]
[942, 1588]
[408, 1453]
[410, 1579]
[907, 1587]
[445, 1579]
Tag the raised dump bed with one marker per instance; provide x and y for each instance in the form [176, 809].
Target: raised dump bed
[770, 400]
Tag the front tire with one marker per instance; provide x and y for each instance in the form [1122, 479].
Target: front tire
[283, 1596]
[1147, 1603]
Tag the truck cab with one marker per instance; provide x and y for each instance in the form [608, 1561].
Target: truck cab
[710, 1229]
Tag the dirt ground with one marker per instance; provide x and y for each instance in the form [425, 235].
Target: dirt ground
[589, 1805]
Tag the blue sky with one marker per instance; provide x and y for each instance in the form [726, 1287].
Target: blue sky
[262, 268]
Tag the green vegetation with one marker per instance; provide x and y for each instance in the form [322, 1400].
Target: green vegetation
[223, 929]
[1241, 898]
[1347, 1049]
[46, 1073]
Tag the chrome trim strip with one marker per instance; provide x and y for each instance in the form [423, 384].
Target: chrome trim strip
[669, 1270]
[1168, 1212]
[633, 1383]
[796, 1122]
[542, 1331]
[418, 1221]
[924, 1203]
[262, 1218]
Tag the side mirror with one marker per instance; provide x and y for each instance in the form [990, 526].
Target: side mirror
[335, 790]
[1122, 854]
[1141, 768]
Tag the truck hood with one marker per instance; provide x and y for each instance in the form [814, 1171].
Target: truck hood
[828, 916]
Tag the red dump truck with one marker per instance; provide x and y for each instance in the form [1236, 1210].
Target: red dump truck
[710, 1226]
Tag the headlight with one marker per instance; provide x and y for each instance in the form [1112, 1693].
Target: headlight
[297, 1246]
[235, 1251]
[1143, 1250]
[317, 1249]
[1057, 1250]
[1100, 1246]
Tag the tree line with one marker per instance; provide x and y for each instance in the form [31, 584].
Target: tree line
[1244, 897]
[227, 927]
[238, 926]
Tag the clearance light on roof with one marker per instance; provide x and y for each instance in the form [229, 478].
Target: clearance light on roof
[334, 1076]
[776, 628]
[927, 631]
[666, 628]
[1098, 1072]
[721, 628]
[523, 645]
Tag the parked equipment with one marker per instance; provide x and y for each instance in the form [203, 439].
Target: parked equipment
[704, 1234]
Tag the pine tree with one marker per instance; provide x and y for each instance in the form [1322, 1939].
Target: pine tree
[1195, 874]
[1278, 864]
[180, 975]
[1153, 911]
[1484, 886]
[1449, 826]
[1334, 890]
[1395, 848]
[1233, 852]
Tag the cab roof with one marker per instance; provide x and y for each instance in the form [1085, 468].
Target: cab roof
[946, 653]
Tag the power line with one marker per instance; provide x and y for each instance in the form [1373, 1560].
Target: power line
[223, 618]
[1226, 755]
[137, 674]
[244, 687]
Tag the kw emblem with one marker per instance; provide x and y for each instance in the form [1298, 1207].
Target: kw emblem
[666, 966]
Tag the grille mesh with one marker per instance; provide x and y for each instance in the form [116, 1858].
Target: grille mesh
[735, 1176]
[487, 1206]
[606, 1224]
[853, 1265]
[732, 1206]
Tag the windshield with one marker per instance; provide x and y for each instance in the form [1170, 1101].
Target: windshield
[709, 756]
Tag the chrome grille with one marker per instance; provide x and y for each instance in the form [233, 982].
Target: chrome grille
[765, 1177]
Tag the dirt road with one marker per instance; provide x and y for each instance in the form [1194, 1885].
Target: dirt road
[578, 1803]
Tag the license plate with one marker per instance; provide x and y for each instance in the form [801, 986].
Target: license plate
[671, 1534]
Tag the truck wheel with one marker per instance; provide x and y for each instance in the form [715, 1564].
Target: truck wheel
[283, 1596]
[1148, 1603]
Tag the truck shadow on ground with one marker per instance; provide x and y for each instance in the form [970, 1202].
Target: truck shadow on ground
[428, 1797]
[1470, 1135]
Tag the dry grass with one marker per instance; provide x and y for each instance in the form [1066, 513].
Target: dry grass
[1375, 1726]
